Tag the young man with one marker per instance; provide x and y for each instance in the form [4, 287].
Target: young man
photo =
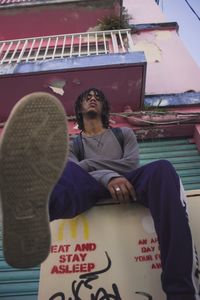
[98, 167]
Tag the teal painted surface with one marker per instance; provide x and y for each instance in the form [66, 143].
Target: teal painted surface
[180, 152]
[17, 284]
[23, 284]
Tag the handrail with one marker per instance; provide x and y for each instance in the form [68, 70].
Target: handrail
[65, 45]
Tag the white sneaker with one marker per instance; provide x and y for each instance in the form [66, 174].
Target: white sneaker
[33, 154]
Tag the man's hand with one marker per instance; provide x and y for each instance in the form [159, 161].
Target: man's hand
[121, 190]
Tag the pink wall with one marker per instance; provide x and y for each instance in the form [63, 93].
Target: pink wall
[145, 11]
[170, 67]
[44, 20]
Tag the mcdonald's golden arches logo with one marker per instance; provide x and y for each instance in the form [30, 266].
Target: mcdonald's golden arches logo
[74, 224]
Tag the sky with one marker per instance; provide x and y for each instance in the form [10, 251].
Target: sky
[189, 23]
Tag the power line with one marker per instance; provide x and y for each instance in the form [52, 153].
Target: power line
[162, 5]
[192, 10]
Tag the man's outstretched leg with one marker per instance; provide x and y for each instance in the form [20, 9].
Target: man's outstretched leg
[33, 154]
[159, 188]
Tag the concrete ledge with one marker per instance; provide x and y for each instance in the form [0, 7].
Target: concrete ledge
[189, 98]
[75, 63]
[136, 28]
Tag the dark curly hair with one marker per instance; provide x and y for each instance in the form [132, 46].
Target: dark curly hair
[105, 108]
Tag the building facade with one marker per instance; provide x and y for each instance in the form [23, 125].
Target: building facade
[152, 82]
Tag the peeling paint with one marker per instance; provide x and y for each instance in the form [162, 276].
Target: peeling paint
[131, 83]
[76, 81]
[115, 86]
[56, 90]
[150, 133]
[75, 127]
[76, 16]
[57, 86]
[138, 83]
[163, 35]
[152, 52]
[94, 28]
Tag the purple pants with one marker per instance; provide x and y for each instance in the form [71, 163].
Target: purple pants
[158, 187]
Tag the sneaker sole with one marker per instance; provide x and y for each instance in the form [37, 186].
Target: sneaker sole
[33, 154]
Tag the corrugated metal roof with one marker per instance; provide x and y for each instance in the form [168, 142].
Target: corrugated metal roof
[23, 284]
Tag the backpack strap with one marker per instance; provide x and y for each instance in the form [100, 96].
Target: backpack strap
[78, 147]
[119, 136]
[78, 143]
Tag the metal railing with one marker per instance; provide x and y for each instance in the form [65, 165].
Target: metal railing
[66, 45]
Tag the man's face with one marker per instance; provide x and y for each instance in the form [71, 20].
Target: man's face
[92, 104]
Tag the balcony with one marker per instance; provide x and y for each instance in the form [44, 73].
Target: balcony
[68, 64]
[66, 45]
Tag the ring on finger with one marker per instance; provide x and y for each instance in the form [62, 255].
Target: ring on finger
[117, 189]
